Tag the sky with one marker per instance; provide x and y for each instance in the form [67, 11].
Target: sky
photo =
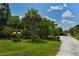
[63, 14]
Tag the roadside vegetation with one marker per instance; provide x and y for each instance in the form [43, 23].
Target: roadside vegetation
[74, 31]
[32, 35]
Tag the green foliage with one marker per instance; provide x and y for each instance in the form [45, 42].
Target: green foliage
[4, 15]
[45, 28]
[6, 32]
[32, 17]
[74, 30]
[39, 27]
[77, 36]
[15, 22]
[57, 31]
[33, 25]
[16, 40]
[26, 33]
[65, 32]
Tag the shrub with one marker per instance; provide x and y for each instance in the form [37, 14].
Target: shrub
[25, 34]
[54, 38]
[16, 40]
[5, 32]
[77, 36]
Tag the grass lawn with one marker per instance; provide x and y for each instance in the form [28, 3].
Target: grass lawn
[28, 48]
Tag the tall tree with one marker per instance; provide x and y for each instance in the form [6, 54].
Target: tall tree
[74, 30]
[46, 27]
[33, 18]
[43, 28]
[15, 22]
[58, 31]
[4, 14]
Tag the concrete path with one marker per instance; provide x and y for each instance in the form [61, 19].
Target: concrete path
[69, 46]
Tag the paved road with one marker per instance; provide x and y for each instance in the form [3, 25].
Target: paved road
[69, 46]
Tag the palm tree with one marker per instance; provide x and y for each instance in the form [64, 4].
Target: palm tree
[33, 19]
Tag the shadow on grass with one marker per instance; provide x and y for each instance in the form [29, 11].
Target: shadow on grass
[37, 41]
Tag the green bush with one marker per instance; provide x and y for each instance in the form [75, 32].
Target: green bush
[54, 38]
[6, 32]
[16, 40]
[25, 33]
[77, 36]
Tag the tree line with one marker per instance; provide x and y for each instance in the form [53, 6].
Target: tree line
[74, 31]
[31, 26]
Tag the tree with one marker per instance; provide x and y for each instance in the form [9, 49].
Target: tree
[57, 31]
[14, 22]
[46, 27]
[74, 30]
[4, 15]
[6, 32]
[65, 32]
[33, 17]
[25, 31]
[43, 31]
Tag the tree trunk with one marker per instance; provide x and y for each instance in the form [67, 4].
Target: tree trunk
[32, 35]
[32, 30]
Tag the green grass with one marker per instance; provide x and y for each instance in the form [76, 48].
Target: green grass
[29, 48]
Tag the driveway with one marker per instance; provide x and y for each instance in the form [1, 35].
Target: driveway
[69, 46]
